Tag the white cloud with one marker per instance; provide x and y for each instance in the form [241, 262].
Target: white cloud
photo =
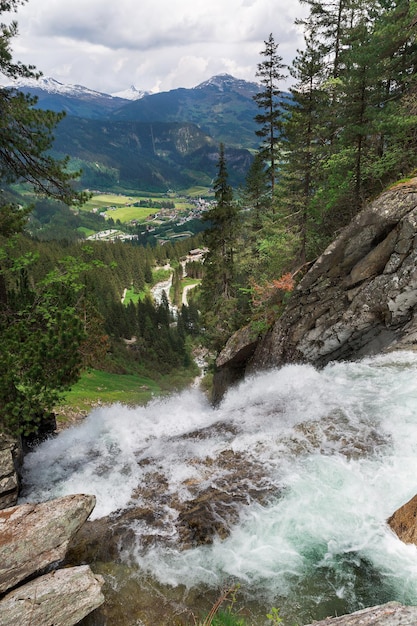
[154, 44]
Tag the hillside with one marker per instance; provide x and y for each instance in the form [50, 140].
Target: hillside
[152, 141]
[223, 107]
[137, 155]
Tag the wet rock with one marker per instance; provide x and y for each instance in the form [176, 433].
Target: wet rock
[213, 509]
[404, 521]
[210, 509]
[238, 350]
[390, 614]
[34, 536]
[63, 598]
[104, 539]
[335, 434]
[206, 516]
[10, 463]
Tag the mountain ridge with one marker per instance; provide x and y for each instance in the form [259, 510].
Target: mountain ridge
[48, 84]
[109, 136]
[223, 107]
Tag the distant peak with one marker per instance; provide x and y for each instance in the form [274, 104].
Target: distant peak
[130, 94]
[217, 81]
[223, 82]
[50, 85]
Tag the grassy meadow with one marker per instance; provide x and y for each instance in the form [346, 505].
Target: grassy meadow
[120, 207]
[97, 388]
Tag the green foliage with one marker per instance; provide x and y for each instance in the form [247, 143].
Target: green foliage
[349, 129]
[25, 139]
[7, 66]
[52, 220]
[43, 329]
[257, 194]
[226, 618]
[59, 314]
[43, 322]
[274, 617]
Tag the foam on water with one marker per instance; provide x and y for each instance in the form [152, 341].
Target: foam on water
[340, 445]
[101, 454]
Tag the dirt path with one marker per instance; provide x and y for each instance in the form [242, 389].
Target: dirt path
[185, 292]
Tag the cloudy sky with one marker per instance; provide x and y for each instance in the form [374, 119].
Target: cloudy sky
[155, 45]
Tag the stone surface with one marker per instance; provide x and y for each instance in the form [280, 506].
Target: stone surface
[63, 598]
[10, 461]
[358, 299]
[390, 614]
[33, 536]
[238, 350]
[404, 521]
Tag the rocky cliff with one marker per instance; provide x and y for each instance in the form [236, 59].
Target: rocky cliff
[359, 298]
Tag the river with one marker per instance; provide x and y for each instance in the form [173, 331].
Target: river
[335, 452]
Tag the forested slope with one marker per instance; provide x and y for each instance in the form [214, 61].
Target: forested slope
[347, 133]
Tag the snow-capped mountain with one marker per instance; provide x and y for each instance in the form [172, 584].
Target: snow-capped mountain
[223, 93]
[52, 86]
[48, 85]
[187, 125]
[130, 94]
[222, 106]
[73, 99]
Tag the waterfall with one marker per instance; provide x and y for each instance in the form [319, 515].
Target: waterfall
[159, 288]
[312, 464]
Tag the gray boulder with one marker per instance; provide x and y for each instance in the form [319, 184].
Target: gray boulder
[34, 536]
[390, 614]
[63, 598]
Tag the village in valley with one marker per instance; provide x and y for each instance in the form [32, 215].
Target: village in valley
[144, 215]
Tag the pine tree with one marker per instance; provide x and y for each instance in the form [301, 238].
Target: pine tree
[43, 327]
[370, 52]
[302, 128]
[326, 25]
[218, 288]
[220, 238]
[256, 195]
[25, 140]
[269, 103]
[26, 136]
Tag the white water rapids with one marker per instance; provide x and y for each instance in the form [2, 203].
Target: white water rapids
[337, 447]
